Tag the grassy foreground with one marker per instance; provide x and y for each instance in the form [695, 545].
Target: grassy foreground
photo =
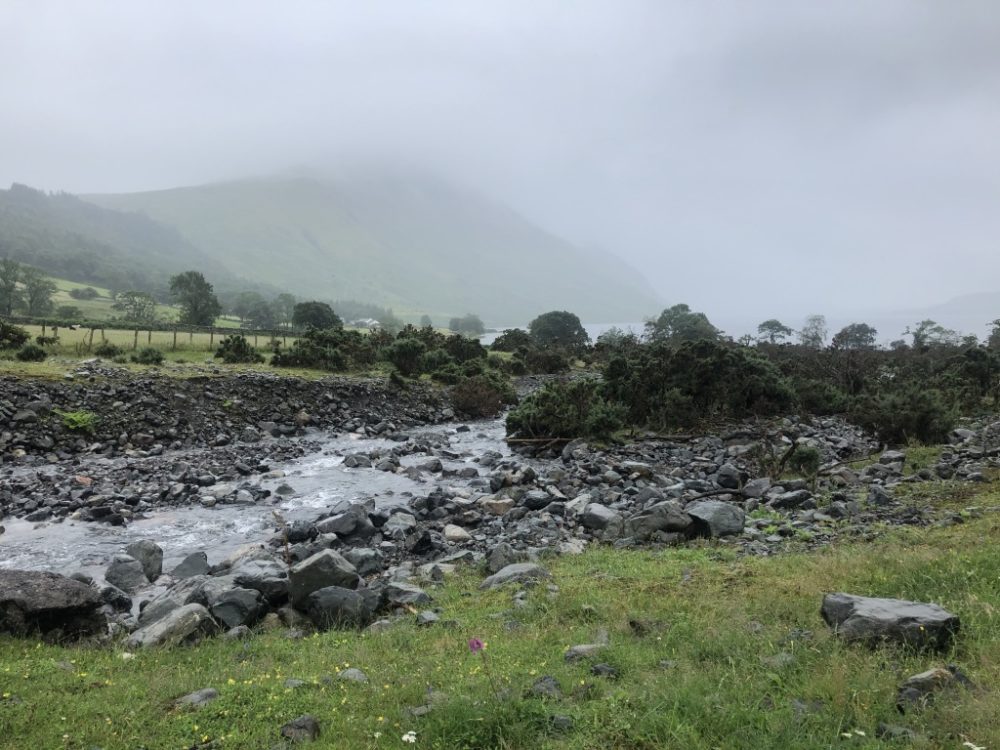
[702, 676]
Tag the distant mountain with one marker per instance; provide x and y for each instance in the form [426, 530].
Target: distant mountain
[73, 239]
[413, 243]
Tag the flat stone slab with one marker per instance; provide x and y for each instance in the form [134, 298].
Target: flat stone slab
[516, 573]
[47, 603]
[871, 620]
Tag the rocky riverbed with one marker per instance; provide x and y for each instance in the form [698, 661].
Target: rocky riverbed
[245, 496]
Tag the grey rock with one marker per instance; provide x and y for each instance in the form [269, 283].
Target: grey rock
[126, 573]
[303, 729]
[195, 564]
[501, 556]
[920, 689]
[365, 560]
[728, 477]
[716, 518]
[666, 516]
[150, 555]
[599, 517]
[793, 499]
[326, 568]
[237, 607]
[516, 573]
[269, 577]
[871, 620]
[178, 626]
[403, 594]
[546, 687]
[353, 675]
[47, 603]
[334, 606]
[756, 488]
[198, 698]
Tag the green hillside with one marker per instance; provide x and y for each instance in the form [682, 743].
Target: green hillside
[415, 244]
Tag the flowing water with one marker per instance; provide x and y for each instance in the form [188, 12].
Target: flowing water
[319, 480]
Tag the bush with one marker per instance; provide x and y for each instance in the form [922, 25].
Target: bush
[435, 359]
[31, 353]
[910, 413]
[542, 361]
[817, 397]
[566, 411]
[87, 292]
[511, 340]
[331, 349]
[805, 460]
[482, 395]
[236, 349]
[463, 349]
[11, 336]
[108, 350]
[405, 354]
[148, 356]
[46, 340]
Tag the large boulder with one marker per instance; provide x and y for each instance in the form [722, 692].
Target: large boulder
[516, 573]
[150, 556]
[326, 568]
[715, 518]
[126, 573]
[181, 625]
[334, 606]
[871, 620]
[269, 577]
[50, 604]
[195, 564]
[597, 517]
[666, 516]
[237, 607]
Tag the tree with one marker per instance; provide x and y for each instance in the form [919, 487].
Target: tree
[261, 315]
[85, 292]
[931, 333]
[855, 336]
[10, 292]
[38, 291]
[426, 322]
[199, 305]
[318, 315]
[678, 324]
[993, 342]
[284, 308]
[468, 324]
[559, 328]
[135, 306]
[813, 333]
[773, 331]
[69, 312]
[244, 303]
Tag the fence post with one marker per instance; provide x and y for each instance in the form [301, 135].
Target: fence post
[135, 339]
[175, 338]
[190, 335]
[103, 338]
[43, 329]
[255, 339]
[149, 336]
[90, 343]
[211, 339]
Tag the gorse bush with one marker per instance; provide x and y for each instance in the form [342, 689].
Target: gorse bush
[405, 354]
[482, 395]
[236, 349]
[31, 353]
[148, 356]
[331, 349]
[911, 413]
[108, 350]
[566, 411]
[12, 336]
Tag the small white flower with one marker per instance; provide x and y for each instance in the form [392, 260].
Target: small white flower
[126, 656]
[410, 737]
[377, 735]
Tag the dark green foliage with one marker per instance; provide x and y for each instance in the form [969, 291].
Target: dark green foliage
[665, 386]
[108, 350]
[482, 395]
[819, 397]
[805, 460]
[315, 315]
[678, 324]
[449, 374]
[331, 349]
[855, 336]
[511, 340]
[237, 350]
[199, 305]
[31, 353]
[463, 349]
[405, 354]
[69, 312]
[910, 413]
[773, 331]
[135, 306]
[46, 340]
[560, 329]
[575, 409]
[148, 356]
[86, 292]
[543, 361]
[12, 336]
[435, 359]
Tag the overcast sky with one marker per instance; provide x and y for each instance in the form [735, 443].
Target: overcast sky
[751, 158]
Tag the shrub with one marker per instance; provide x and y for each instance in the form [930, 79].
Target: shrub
[910, 413]
[543, 361]
[325, 350]
[482, 395]
[108, 350]
[817, 397]
[87, 292]
[148, 356]
[566, 411]
[463, 349]
[511, 340]
[435, 359]
[236, 349]
[805, 460]
[11, 336]
[31, 353]
[405, 354]
[79, 421]
[46, 340]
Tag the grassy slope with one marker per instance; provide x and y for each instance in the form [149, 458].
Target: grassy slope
[718, 617]
[411, 243]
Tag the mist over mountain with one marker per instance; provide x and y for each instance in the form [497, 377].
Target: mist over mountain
[412, 242]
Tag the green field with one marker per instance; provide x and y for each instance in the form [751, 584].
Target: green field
[732, 653]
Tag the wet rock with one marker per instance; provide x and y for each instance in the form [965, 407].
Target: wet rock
[195, 564]
[303, 729]
[178, 626]
[237, 607]
[126, 573]
[334, 606]
[150, 556]
[666, 516]
[50, 604]
[793, 499]
[365, 560]
[871, 620]
[405, 594]
[323, 569]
